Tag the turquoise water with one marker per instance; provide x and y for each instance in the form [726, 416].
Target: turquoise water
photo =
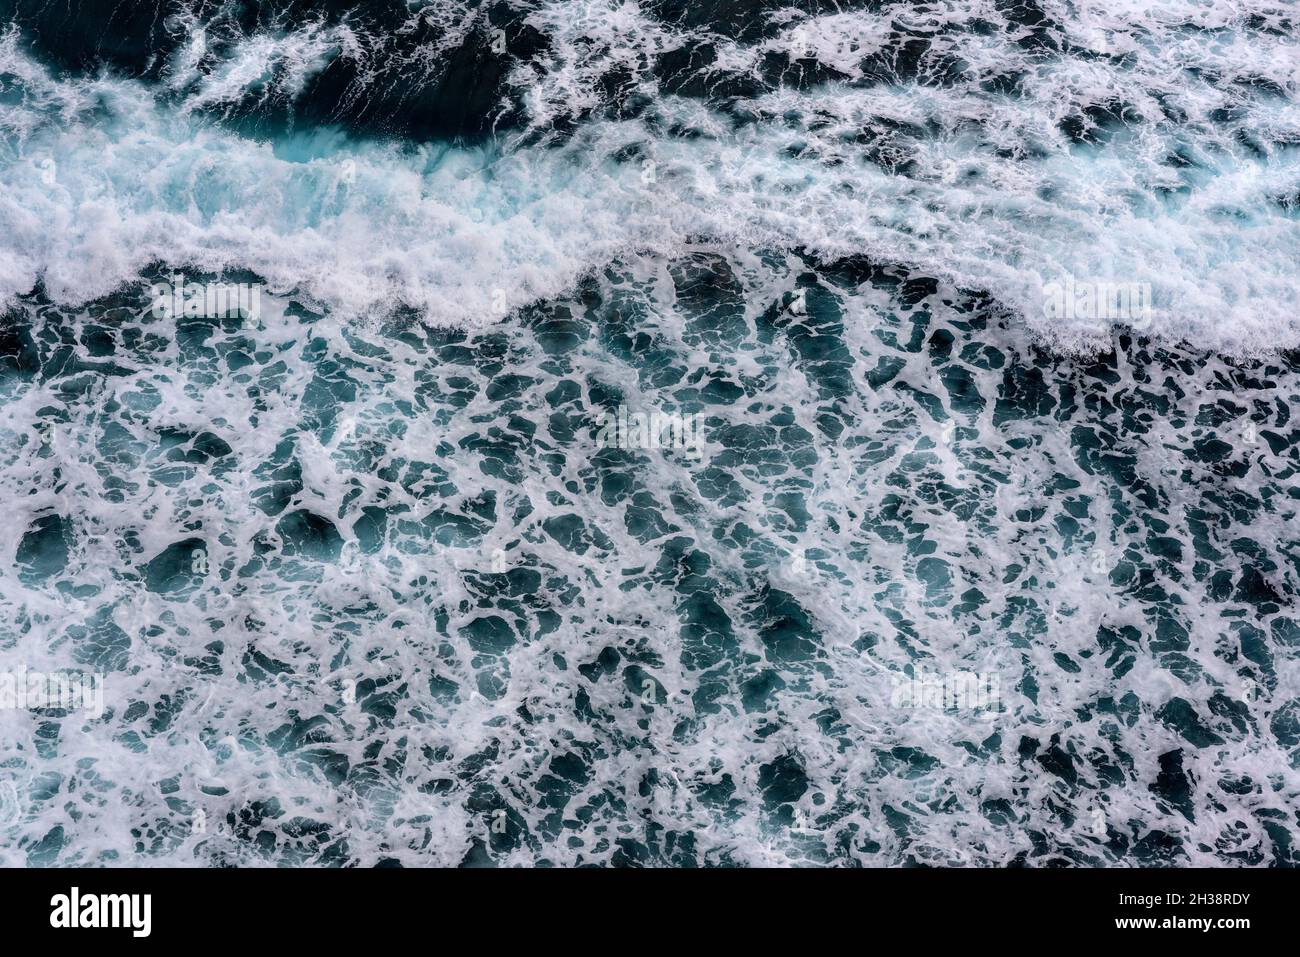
[944, 584]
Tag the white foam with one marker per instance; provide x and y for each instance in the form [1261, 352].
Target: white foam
[464, 235]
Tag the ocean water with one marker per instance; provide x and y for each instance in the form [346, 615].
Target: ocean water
[394, 565]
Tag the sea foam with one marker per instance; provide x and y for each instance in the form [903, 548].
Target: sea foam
[103, 176]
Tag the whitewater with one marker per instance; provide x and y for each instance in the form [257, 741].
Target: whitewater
[956, 577]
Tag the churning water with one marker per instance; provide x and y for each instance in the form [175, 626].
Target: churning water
[650, 433]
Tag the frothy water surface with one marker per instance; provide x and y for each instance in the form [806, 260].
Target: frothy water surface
[949, 582]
